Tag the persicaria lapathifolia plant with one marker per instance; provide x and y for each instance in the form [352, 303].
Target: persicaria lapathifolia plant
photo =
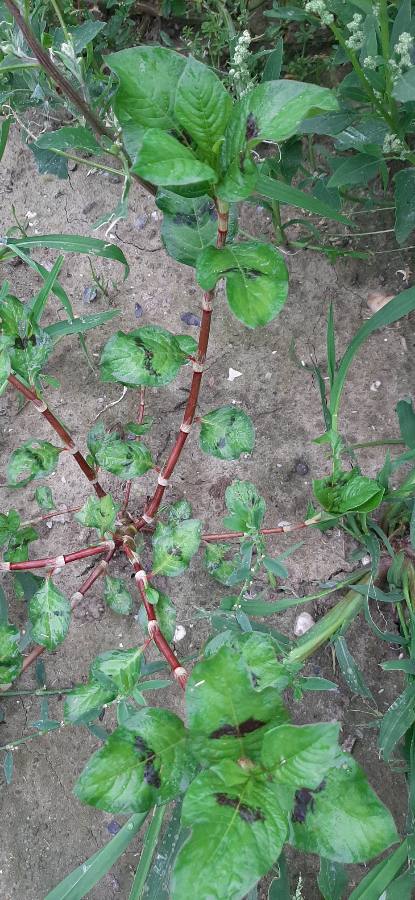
[251, 780]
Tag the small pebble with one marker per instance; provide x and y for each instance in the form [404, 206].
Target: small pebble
[179, 634]
[233, 373]
[138, 310]
[190, 319]
[140, 222]
[301, 467]
[303, 623]
[90, 294]
[375, 386]
[113, 827]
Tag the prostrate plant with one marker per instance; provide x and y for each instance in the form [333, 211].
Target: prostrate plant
[251, 780]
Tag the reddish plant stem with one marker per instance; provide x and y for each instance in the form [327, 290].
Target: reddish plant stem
[179, 672]
[229, 535]
[64, 435]
[55, 561]
[140, 418]
[85, 586]
[189, 413]
[50, 515]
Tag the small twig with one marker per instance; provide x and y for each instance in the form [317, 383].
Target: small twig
[108, 406]
[281, 529]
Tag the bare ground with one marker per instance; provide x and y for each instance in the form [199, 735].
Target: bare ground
[48, 831]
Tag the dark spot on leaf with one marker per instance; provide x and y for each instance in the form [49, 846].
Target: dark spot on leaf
[183, 219]
[255, 679]
[251, 127]
[141, 745]
[175, 551]
[236, 730]
[304, 801]
[221, 443]
[150, 774]
[247, 813]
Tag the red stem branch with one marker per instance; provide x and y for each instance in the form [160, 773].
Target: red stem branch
[64, 435]
[282, 529]
[189, 413]
[179, 672]
[76, 597]
[55, 561]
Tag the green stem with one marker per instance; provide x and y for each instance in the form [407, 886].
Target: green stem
[341, 614]
[391, 442]
[149, 846]
[36, 693]
[384, 39]
[277, 222]
[61, 20]
[87, 162]
[362, 77]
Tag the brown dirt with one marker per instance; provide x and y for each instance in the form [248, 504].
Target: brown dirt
[50, 832]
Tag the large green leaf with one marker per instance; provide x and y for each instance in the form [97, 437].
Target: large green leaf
[189, 225]
[141, 764]
[86, 701]
[34, 459]
[202, 105]
[174, 545]
[11, 659]
[69, 138]
[226, 716]
[117, 669]
[256, 279]
[226, 433]
[343, 819]
[164, 161]
[358, 169]
[239, 181]
[98, 512]
[127, 459]
[31, 352]
[238, 831]
[147, 356]
[260, 652]
[300, 754]
[348, 492]
[272, 111]
[116, 595]
[405, 204]
[50, 615]
[148, 78]
[404, 87]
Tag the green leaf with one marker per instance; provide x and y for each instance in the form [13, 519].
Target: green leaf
[117, 669]
[147, 356]
[404, 87]
[79, 882]
[116, 596]
[148, 78]
[348, 492]
[256, 279]
[406, 416]
[31, 351]
[8, 766]
[226, 565]
[358, 169]
[49, 163]
[343, 819]
[139, 765]
[5, 365]
[79, 324]
[159, 878]
[69, 138]
[4, 133]
[86, 701]
[127, 459]
[273, 65]
[164, 161]
[227, 717]
[50, 615]
[166, 615]
[260, 652]
[349, 669]
[189, 225]
[396, 721]
[11, 659]
[285, 193]
[178, 511]
[44, 497]
[332, 879]
[34, 459]
[71, 242]
[226, 433]
[245, 505]
[99, 513]
[300, 754]
[239, 181]
[174, 546]
[405, 204]
[235, 816]
[373, 885]
[202, 105]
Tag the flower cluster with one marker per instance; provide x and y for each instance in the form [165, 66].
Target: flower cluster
[355, 41]
[402, 51]
[239, 71]
[370, 62]
[319, 8]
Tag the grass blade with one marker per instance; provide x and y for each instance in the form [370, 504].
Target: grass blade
[82, 879]
[41, 298]
[396, 721]
[350, 671]
[149, 846]
[80, 324]
[377, 880]
[285, 193]
[4, 133]
[331, 346]
[74, 243]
